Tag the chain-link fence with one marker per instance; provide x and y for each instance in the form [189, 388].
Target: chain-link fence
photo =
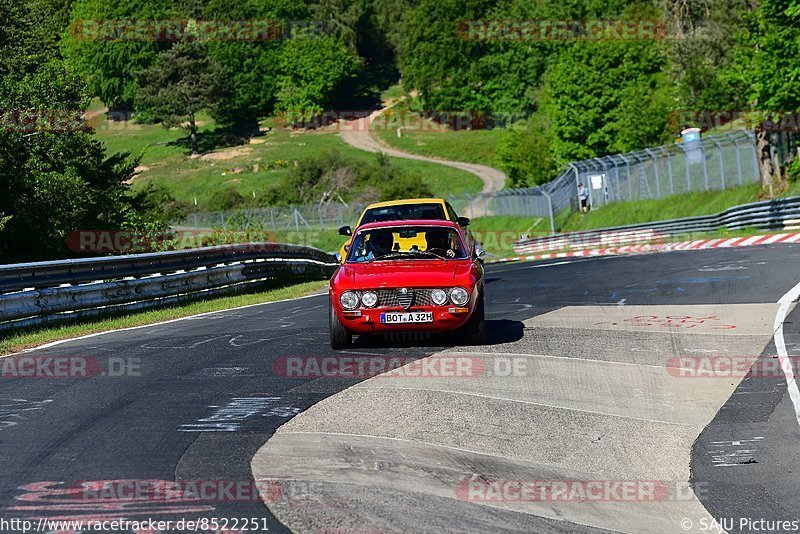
[711, 163]
[303, 217]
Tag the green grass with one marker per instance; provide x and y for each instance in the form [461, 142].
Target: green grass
[673, 207]
[195, 179]
[497, 234]
[327, 240]
[472, 146]
[14, 342]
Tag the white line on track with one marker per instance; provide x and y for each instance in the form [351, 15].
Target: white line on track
[780, 344]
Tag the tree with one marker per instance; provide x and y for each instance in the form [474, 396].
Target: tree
[53, 181]
[767, 64]
[525, 154]
[702, 42]
[180, 83]
[605, 97]
[311, 71]
[98, 46]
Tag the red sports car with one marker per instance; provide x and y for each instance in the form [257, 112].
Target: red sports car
[407, 276]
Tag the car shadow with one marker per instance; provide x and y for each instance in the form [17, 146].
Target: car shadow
[498, 331]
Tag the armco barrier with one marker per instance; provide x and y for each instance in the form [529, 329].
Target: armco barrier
[769, 214]
[42, 292]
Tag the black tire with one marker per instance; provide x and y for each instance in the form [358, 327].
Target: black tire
[475, 328]
[341, 337]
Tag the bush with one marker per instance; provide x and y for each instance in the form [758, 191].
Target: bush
[793, 170]
[331, 177]
[225, 199]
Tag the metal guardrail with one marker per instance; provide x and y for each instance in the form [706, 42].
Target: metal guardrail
[769, 214]
[52, 291]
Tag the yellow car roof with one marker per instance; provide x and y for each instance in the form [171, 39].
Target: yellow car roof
[405, 201]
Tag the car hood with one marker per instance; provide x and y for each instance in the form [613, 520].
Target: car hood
[412, 273]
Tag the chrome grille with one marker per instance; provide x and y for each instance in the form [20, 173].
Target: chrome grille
[405, 296]
[389, 298]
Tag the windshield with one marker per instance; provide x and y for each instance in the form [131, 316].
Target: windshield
[407, 242]
[405, 212]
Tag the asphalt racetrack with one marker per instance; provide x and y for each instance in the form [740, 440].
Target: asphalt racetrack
[599, 373]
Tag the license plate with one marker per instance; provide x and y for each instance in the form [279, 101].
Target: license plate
[402, 318]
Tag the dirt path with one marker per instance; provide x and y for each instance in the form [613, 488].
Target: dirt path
[357, 134]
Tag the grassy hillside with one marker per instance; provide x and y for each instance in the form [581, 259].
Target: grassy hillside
[673, 207]
[472, 146]
[250, 168]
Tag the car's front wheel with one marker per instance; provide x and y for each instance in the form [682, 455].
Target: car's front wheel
[341, 338]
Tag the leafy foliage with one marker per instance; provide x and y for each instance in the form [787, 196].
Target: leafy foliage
[330, 177]
[526, 155]
[107, 59]
[180, 83]
[311, 70]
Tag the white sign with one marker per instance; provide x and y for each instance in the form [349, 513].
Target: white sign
[597, 180]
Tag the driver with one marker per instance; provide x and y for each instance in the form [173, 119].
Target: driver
[438, 242]
[380, 243]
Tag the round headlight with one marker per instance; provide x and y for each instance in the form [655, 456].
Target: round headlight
[369, 299]
[459, 296]
[349, 300]
[438, 296]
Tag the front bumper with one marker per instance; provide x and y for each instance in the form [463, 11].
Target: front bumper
[368, 320]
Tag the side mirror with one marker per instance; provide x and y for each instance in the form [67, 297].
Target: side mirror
[479, 256]
[345, 230]
[463, 221]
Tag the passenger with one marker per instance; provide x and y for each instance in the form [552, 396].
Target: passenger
[439, 243]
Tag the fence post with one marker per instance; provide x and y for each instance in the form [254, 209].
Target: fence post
[550, 210]
[721, 166]
[655, 170]
[669, 170]
[756, 171]
[688, 173]
[628, 174]
[705, 167]
[738, 160]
